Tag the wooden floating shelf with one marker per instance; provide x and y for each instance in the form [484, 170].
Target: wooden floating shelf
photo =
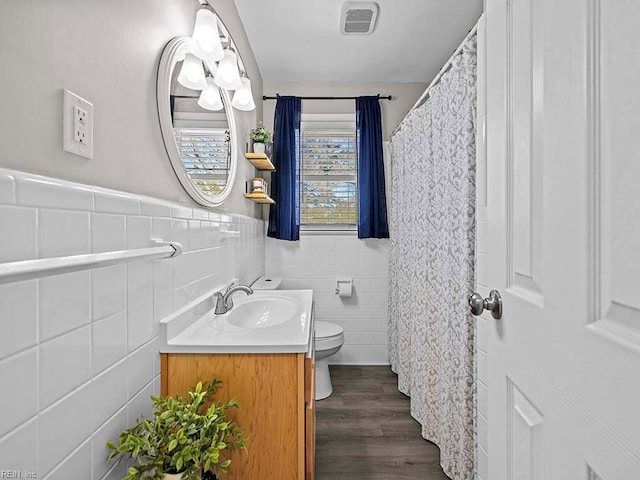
[260, 161]
[259, 197]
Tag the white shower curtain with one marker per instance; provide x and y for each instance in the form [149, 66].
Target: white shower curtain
[431, 274]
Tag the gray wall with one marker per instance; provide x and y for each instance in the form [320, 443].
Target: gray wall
[107, 52]
[404, 96]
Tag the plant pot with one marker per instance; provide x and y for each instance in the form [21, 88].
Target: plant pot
[258, 147]
[172, 476]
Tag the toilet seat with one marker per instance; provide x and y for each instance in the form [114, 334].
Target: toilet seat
[328, 335]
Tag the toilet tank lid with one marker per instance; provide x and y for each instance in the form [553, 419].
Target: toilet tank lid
[327, 329]
[267, 283]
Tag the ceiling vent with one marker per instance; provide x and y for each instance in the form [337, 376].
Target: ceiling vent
[358, 18]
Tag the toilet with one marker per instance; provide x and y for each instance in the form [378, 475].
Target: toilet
[328, 340]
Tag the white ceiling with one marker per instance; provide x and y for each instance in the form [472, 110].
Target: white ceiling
[300, 40]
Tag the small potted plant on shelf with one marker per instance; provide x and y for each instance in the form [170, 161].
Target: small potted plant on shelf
[259, 136]
[185, 439]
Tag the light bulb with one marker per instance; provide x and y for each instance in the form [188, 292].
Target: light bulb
[210, 97]
[206, 38]
[243, 97]
[228, 76]
[192, 73]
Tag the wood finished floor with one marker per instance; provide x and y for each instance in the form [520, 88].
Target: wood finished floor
[364, 430]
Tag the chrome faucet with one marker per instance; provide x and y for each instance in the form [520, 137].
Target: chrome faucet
[224, 302]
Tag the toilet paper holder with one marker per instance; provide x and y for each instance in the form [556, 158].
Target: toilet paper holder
[342, 281]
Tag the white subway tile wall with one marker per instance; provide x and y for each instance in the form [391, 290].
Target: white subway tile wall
[78, 352]
[315, 262]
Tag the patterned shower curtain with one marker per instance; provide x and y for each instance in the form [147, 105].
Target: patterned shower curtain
[432, 244]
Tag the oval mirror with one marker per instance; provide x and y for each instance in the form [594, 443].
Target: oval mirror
[201, 143]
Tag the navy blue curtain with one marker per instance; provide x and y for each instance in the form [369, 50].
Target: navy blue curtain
[372, 203]
[284, 216]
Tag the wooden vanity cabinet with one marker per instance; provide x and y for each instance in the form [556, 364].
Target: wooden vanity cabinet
[310, 417]
[277, 407]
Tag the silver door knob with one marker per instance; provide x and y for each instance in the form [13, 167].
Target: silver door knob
[492, 303]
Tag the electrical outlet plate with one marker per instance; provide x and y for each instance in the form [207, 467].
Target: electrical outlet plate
[77, 130]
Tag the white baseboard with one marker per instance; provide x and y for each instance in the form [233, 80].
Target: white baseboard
[362, 363]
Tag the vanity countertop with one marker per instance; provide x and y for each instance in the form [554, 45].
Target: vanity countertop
[197, 329]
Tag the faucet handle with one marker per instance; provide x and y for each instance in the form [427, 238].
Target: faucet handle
[229, 287]
[219, 306]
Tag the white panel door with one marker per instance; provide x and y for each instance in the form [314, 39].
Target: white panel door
[563, 239]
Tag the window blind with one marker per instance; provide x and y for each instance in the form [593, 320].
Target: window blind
[329, 174]
[206, 156]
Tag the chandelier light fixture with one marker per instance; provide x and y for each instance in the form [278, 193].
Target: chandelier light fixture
[243, 97]
[206, 37]
[192, 73]
[228, 75]
[222, 68]
[210, 97]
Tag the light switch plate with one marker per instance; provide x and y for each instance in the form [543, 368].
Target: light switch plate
[77, 129]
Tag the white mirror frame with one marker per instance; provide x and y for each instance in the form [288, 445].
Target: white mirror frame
[172, 54]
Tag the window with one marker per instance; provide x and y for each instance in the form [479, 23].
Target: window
[328, 177]
[206, 156]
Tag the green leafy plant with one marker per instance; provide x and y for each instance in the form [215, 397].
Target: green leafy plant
[260, 134]
[184, 436]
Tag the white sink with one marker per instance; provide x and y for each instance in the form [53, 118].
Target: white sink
[262, 312]
[269, 321]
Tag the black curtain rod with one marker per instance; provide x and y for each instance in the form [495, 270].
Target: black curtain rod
[266, 97]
